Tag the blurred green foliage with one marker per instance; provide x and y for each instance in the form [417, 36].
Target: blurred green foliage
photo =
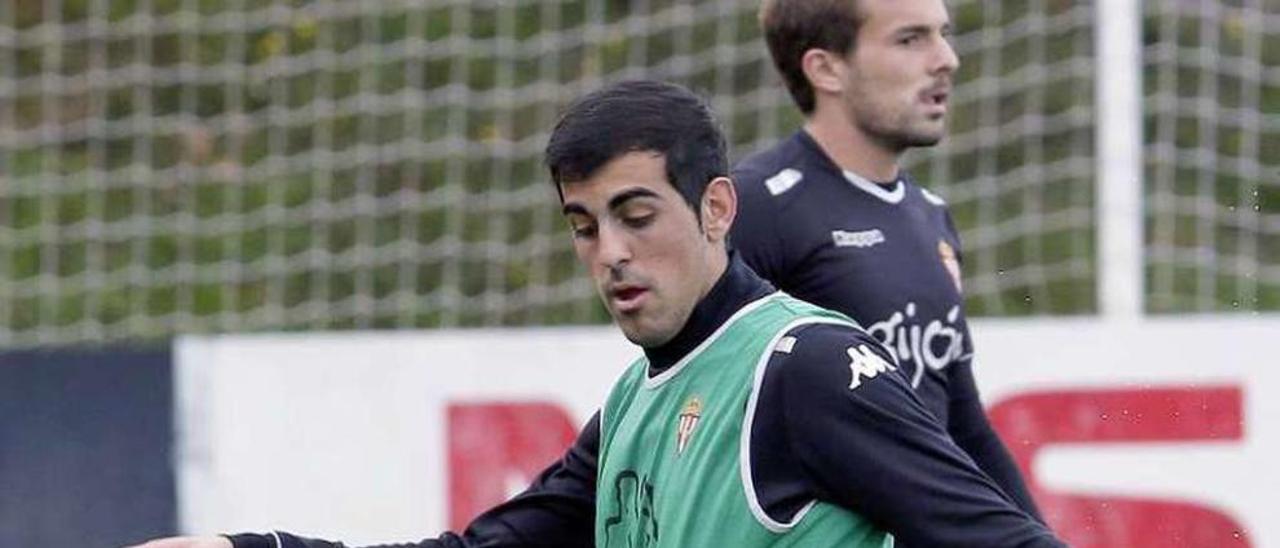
[177, 166]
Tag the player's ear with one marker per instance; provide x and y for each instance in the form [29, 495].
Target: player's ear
[824, 69]
[719, 207]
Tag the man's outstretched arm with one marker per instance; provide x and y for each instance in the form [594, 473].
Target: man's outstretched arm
[557, 510]
[972, 431]
[865, 442]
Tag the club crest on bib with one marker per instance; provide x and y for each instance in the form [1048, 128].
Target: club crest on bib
[688, 421]
[951, 262]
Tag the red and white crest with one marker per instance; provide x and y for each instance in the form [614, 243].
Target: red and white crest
[689, 417]
[951, 262]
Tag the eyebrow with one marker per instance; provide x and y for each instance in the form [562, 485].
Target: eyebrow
[570, 209]
[620, 199]
[913, 29]
[614, 202]
[946, 26]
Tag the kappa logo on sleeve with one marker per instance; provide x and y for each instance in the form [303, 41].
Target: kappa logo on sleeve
[783, 181]
[933, 198]
[864, 362]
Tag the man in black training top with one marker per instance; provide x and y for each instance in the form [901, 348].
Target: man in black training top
[752, 419]
[828, 216]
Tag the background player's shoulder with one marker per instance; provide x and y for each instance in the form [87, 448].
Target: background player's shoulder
[773, 175]
[928, 196]
[932, 198]
[771, 157]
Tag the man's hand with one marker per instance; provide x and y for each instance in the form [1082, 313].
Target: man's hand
[187, 542]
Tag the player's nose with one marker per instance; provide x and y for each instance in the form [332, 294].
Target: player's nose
[945, 58]
[613, 249]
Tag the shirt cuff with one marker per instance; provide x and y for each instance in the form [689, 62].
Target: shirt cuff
[254, 540]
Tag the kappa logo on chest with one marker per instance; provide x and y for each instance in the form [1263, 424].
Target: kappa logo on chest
[857, 238]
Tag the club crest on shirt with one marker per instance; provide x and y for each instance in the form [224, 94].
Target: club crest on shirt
[951, 262]
[688, 421]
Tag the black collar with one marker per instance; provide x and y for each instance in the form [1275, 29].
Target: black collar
[735, 288]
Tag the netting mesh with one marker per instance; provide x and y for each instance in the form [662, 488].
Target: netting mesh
[1212, 79]
[1017, 166]
[179, 166]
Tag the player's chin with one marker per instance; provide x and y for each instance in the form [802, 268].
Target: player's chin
[640, 337]
[643, 333]
[925, 135]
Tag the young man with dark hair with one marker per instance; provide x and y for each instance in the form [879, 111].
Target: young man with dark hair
[752, 419]
[828, 216]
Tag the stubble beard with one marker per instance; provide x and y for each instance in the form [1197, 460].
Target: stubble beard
[888, 125]
[651, 337]
[893, 131]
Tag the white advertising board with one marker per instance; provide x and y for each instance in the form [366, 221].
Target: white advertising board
[371, 437]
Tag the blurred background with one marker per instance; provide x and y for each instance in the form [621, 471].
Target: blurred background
[178, 168]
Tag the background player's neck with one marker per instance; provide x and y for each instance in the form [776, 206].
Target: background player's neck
[851, 149]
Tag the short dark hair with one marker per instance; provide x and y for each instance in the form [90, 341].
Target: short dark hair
[640, 116]
[792, 27]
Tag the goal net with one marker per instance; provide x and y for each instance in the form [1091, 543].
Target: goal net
[189, 166]
[1212, 124]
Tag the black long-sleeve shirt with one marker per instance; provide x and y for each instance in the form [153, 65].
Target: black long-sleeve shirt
[887, 255]
[874, 449]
